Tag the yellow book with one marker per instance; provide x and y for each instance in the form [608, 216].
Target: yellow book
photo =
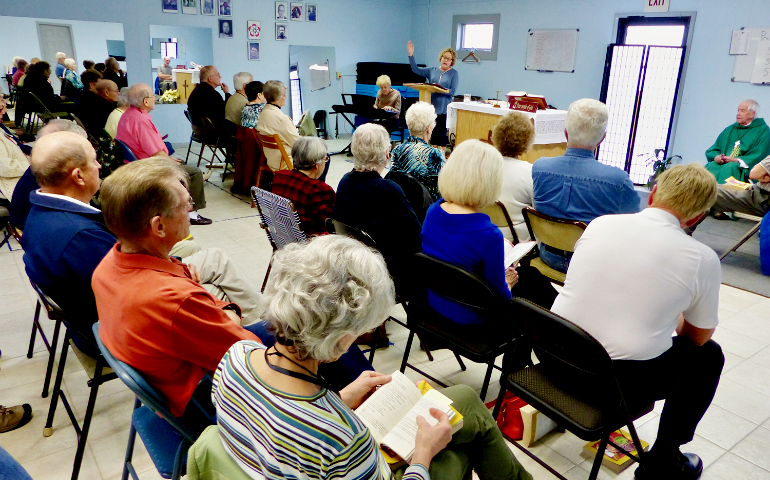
[614, 459]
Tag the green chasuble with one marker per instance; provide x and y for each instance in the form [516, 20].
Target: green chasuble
[754, 145]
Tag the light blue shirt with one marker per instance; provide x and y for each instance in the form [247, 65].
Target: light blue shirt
[449, 80]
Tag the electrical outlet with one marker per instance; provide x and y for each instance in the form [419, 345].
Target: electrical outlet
[339, 75]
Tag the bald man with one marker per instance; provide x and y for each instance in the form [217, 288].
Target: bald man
[205, 101]
[740, 146]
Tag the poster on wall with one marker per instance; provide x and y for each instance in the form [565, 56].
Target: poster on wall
[190, 7]
[255, 29]
[225, 28]
[170, 6]
[207, 7]
[253, 49]
[296, 11]
[280, 10]
[311, 12]
[280, 31]
[225, 8]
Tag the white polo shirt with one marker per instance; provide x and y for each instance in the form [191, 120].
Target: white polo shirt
[632, 275]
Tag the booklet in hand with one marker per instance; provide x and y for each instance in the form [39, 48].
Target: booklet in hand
[391, 413]
[514, 253]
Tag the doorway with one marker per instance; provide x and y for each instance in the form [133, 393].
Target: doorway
[55, 38]
[642, 76]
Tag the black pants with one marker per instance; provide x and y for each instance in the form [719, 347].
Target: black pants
[686, 376]
[439, 133]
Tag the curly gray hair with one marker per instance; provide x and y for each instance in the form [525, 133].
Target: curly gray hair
[307, 152]
[370, 146]
[420, 116]
[324, 290]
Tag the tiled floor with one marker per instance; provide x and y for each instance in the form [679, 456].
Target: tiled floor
[732, 439]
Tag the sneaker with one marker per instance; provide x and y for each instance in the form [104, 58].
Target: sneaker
[200, 220]
[12, 418]
[688, 467]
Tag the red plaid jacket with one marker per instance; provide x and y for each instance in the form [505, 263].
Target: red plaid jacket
[313, 199]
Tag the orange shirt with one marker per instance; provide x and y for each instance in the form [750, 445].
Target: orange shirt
[154, 317]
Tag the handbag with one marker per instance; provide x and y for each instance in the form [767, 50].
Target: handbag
[509, 419]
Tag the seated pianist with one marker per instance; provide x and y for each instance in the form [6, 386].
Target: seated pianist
[388, 99]
[176, 332]
[740, 146]
[576, 186]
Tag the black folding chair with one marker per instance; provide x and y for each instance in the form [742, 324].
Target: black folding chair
[482, 344]
[98, 373]
[574, 384]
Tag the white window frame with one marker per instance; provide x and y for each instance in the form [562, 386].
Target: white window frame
[459, 22]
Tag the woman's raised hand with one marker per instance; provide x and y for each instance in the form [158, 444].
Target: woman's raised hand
[410, 48]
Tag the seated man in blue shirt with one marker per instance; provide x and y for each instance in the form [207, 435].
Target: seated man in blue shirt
[576, 186]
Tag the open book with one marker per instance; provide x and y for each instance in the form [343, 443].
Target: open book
[514, 253]
[527, 97]
[391, 414]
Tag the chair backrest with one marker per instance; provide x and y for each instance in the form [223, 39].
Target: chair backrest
[455, 283]
[561, 344]
[555, 232]
[498, 214]
[335, 226]
[279, 219]
[128, 155]
[146, 393]
[210, 132]
[37, 105]
[319, 118]
[56, 313]
[417, 194]
[274, 142]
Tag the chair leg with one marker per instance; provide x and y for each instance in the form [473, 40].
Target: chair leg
[637, 443]
[599, 457]
[181, 453]
[500, 398]
[485, 385]
[35, 324]
[406, 351]
[200, 156]
[131, 441]
[460, 361]
[188, 151]
[267, 274]
[373, 347]
[48, 429]
[95, 382]
[51, 357]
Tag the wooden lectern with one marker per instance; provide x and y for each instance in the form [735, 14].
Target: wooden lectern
[426, 89]
[186, 80]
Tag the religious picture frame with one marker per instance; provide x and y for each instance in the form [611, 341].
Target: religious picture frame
[311, 12]
[225, 28]
[253, 50]
[280, 31]
[190, 7]
[207, 7]
[254, 29]
[225, 8]
[281, 10]
[170, 6]
[297, 11]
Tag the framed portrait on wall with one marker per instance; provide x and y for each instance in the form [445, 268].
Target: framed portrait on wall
[253, 49]
[207, 7]
[225, 28]
[190, 7]
[254, 29]
[280, 31]
[281, 10]
[311, 12]
[170, 6]
[297, 10]
[225, 8]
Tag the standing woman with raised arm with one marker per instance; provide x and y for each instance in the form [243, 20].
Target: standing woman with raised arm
[447, 77]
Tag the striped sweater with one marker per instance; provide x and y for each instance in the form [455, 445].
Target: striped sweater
[276, 435]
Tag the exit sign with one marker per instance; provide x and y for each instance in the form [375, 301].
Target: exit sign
[656, 5]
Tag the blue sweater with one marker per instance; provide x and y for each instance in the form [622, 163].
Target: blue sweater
[449, 80]
[470, 241]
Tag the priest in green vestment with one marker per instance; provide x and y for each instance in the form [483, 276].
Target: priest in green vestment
[740, 146]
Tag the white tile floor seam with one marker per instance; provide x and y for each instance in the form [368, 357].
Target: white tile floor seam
[731, 439]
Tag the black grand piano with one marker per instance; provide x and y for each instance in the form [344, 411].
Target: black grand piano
[361, 105]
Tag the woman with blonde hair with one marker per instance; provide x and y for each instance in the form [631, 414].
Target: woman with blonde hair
[445, 76]
[388, 99]
[456, 232]
[513, 137]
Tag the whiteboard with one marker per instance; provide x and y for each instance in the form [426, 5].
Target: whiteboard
[552, 50]
[744, 64]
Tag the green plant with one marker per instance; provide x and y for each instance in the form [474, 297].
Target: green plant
[659, 164]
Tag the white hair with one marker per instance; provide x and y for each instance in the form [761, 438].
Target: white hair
[307, 152]
[242, 78]
[137, 93]
[324, 290]
[383, 81]
[16, 60]
[370, 146]
[586, 123]
[419, 117]
[70, 63]
[472, 175]
[123, 98]
[752, 106]
[60, 55]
